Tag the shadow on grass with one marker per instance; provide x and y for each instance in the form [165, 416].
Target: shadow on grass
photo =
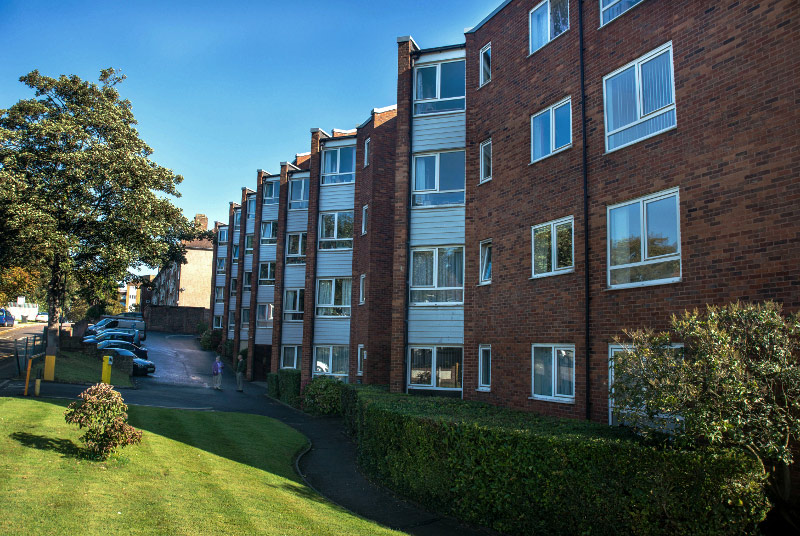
[65, 447]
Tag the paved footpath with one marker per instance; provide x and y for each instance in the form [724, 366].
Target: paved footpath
[329, 466]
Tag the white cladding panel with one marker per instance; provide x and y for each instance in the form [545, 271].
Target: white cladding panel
[267, 252]
[292, 333]
[332, 331]
[336, 197]
[248, 263]
[219, 309]
[335, 263]
[266, 294]
[439, 132]
[264, 335]
[235, 269]
[269, 212]
[222, 250]
[294, 276]
[251, 226]
[436, 325]
[437, 226]
[235, 238]
[230, 334]
[296, 220]
[246, 299]
[220, 280]
[232, 302]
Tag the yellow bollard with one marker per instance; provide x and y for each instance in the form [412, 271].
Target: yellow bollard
[49, 367]
[28, 377]
[107, 360]
[37, 386]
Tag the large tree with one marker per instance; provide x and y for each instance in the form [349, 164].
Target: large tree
[79, 193]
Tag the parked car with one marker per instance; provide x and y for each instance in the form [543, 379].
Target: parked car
[136, 316]
[42, 317]
[141, 367]
[93, 328]
[139, 351]
[130, 335]
[116, 323]
[6, 318]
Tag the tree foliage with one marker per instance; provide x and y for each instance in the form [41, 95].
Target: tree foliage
[17, 281]
[81, 195]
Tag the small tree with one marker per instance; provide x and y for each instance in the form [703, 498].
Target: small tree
[734, 383]
[103, 413]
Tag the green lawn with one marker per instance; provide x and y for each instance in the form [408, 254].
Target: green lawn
[194, 473]
[77, 367]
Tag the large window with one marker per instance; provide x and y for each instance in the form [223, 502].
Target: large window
[298, 194]
[336, 230]
[552, 247]
[263, 315]
[222, 235]
[293, 304]
[439, 88]
[296, 248]
[486, 64]
[220, 265]
[435, 367]
[331, 360]
[548, 20]
[234, 282]
[438, 179]
[486, 161]
[248, 281]
[486, 262]
[644, 244]
[235, 251]
[611, 9]
[437, 275]
[362, 356]
[266, 273]
[640, 99]
[248, 244]
[231, 319]
[219, 294]
[269, 232]
[271, 192]
[553, 372]
[333, 297]
[339, 165]
[290, 357]
[551, 130]
[251, 207]
[245, 318]
[484, 367]
[217, 321]
[237, 219]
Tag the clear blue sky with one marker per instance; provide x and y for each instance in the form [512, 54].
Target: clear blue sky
[221, 89]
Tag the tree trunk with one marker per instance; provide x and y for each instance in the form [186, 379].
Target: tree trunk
[55, 293]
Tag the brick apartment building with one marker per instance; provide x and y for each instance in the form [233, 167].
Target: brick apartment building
[508, 197]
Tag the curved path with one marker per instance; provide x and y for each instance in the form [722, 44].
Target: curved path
[183, 380]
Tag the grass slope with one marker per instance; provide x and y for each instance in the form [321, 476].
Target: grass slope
[77, 367]
[194, 473]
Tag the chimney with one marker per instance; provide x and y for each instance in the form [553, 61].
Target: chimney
[201, 221]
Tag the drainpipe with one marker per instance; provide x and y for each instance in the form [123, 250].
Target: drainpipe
[587, 316]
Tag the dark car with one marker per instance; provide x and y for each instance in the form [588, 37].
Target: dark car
[6, 318]
[141, 367]
[130, 335]
[139, 351]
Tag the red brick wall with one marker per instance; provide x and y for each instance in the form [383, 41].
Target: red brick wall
[280, 254]
[228, 269]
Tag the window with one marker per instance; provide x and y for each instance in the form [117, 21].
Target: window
[486, 161]
[266, 273]
[248, 244]
[245, 317]
[633, 261]
[271, 192]
[437, 275]
[235, 252]
[248, 281]
[362, 289]
[296, 248]
[331, 360]
[486, 64]
[269, 232]
[220, 265]
[233, 284]
[263, 315]
[339, 165]
[364, 215]
[290, 357]
[484, 367]
[640, 99]
[219, 294]
[551, 130]
[362, 356]
[486, 262]
[293, 304]
[237, 219]
[333, 297]
[445, 361]
[366, 151]
[222, 235]
[217, 321]
[251, 207]
[231, 319]
[553, 372]
[548, 20]
[439, 88]
[439, 179]
[611, 9]
[552, 247]
[336, 230]
[298, 194]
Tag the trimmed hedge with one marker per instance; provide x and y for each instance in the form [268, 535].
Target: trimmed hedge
[520, 473]
[273, 390]
[289, 387]
[323, 396]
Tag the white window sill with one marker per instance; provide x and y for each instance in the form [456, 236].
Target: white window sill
[361, 303]
[554, 273]
[323, 185]
[484, 283]
[484, 389]
[559, 400]
[293, 322]
[321, 250]
[437, 207]
[559, 150]
[297, 209]
[634, 142]
[438, 304]
[334, 317]
[543, 46]
[432, 388]
[484, 181]
[484, 84]
[646, 283]
[617, 17]
[266, 284]
[449, 112]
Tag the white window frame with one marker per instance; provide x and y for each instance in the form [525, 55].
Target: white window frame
[335, 238]
[303, 240]
[554, 270]
[550, 38]
[272, 227]
[296, 355]
[247, 281]
[483, 386]
[438, 89]
[274, 199]
[245, 322]
[268, 312]
[362, 356]
[221, 265]
[565, 399]
[330, 363]
[482, 82]
[338, 172]
[362, 289]
[271, 268]
[434, 351]
[481, 261]
[435, 250]
[219, 294]
[237, 219]
[435, 189]
[235, 252]
[482, 178]
[251, 207]
[639, 102]
[364, 216]
[222, 235]
[234, 284]
[606, 8]
[332, 303]
[232, 319]
[251, 238]
[643, 201]
[218, 322]
[306, 185]
[551, 110]
[294, 308]
[366, 151]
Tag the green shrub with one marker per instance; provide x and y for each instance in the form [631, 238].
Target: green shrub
[289, 386]
[519, 473]
[323, 396]
[103, 413]
[273, 389]
[243, 353]
[226, 349]
[205, 340]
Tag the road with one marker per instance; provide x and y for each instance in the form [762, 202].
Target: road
[8, 367]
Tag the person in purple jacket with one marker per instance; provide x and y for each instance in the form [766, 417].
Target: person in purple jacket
[216, 373]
